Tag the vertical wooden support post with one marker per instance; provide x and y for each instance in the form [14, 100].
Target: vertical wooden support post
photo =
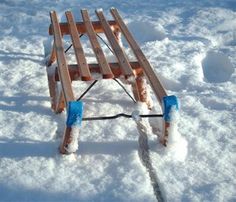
[56, 95]
[60, 101]
[52, 87]
[143, 91]
[140, 90]
[52, 57]
[66, 140]
[51, 77]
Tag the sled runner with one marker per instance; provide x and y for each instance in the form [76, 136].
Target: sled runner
[135, 73]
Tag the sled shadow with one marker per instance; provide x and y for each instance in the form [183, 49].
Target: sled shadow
[21, 103]
[50, 149]
[5, 57]
[21, 193]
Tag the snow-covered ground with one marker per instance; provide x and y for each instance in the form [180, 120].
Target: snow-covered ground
[192, 47]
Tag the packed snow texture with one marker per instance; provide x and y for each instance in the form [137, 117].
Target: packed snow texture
[192, 47]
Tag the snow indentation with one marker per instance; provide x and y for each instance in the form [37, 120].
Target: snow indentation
[217, 67]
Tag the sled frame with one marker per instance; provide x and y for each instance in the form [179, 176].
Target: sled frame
[135, 73]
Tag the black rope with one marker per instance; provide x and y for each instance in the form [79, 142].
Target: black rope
[71, 44]
[68, 48]
[115, 78]
[105, 43]
[120, 115]
[117, 81]
[85, 92]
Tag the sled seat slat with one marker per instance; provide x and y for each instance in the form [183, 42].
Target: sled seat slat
[105, 68]
[119, 53]
[79, 53]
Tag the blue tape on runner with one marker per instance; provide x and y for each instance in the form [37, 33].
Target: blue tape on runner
[74, 113]
[169, 102]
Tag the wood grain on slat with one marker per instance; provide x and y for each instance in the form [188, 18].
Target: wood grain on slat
[122, 59]
[105, 69]
[154, 81]
[79, 53]
[81, 27]
[61, 59]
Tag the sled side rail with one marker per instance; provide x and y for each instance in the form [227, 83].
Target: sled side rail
[74, 108]
[61, 59]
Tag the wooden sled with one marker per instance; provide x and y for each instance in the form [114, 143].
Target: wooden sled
[136, 73]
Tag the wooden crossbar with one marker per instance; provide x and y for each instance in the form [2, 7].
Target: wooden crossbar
[122, 59]
[151, 75]
[81, 27]
[79, 53]
[95, 68]
[105, 69]
[61, 59]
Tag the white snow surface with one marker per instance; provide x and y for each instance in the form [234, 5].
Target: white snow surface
[191, 46]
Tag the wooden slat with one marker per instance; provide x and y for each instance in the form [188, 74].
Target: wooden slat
[79, 53]
[81, 27]
[122, 59]
[94, 68]
[105, 69]
[154, 81]
[61, 59]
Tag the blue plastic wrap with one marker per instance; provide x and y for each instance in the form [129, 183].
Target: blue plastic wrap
[74, 113]
[169, 103]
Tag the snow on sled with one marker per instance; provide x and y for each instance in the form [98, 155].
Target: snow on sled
[135, 73]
